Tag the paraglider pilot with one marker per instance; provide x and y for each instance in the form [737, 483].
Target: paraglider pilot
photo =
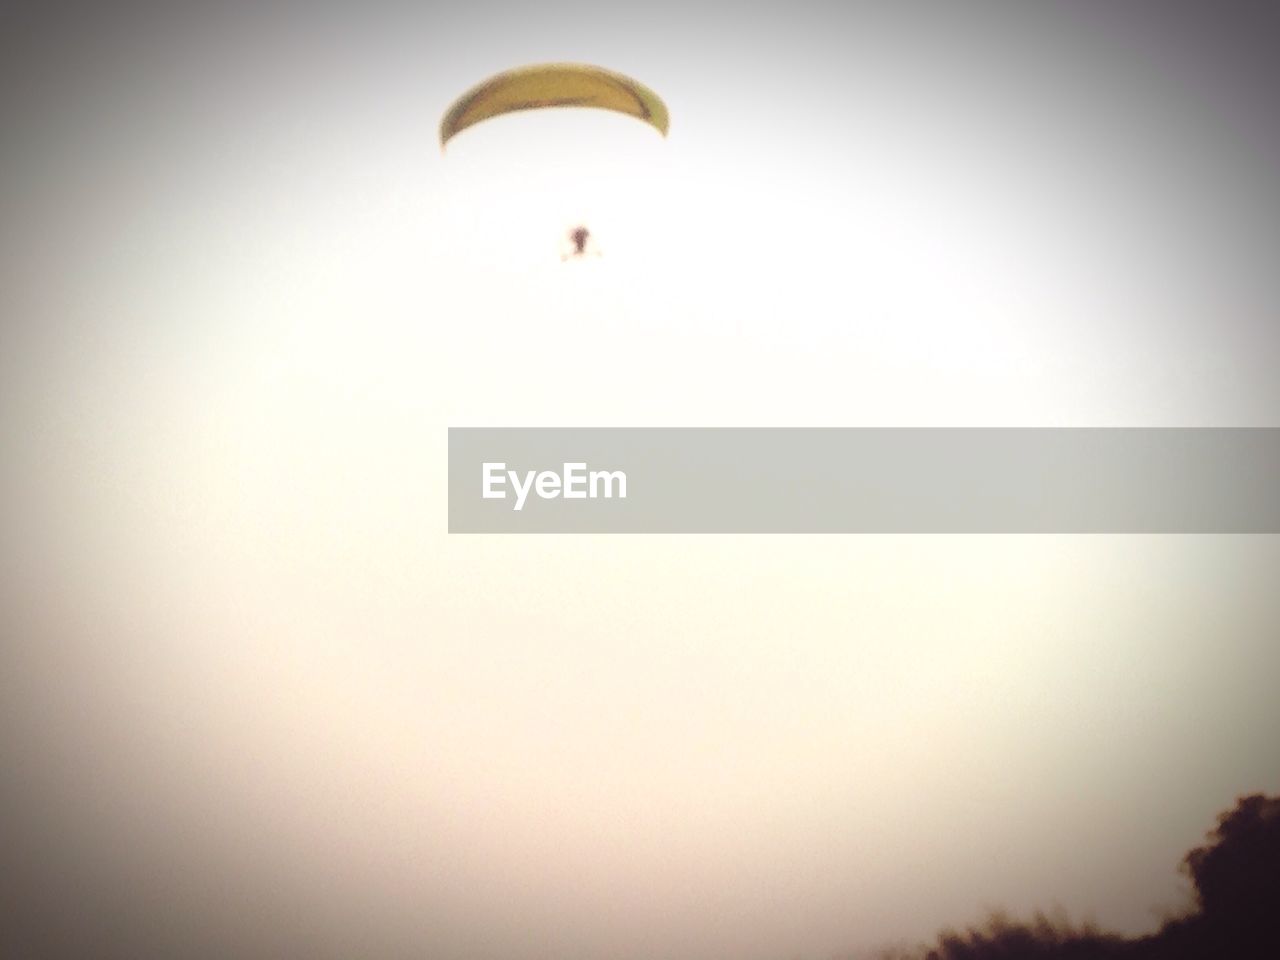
[578, 236]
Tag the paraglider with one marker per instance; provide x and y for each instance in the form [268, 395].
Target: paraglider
[552, 85]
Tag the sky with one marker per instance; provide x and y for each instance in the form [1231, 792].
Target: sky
[255, 701]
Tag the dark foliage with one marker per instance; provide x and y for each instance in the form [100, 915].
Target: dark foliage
[1237, 916]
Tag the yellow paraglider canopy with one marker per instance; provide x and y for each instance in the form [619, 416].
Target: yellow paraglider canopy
[554, 85]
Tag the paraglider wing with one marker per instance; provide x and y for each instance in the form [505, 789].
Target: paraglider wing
[554, 85]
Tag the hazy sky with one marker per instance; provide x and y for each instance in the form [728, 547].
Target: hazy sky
[254, 699]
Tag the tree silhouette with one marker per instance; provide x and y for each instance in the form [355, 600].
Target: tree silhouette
[1237, 916]
[1237, 883]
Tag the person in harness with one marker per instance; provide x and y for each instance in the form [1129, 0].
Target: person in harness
[578, 238]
